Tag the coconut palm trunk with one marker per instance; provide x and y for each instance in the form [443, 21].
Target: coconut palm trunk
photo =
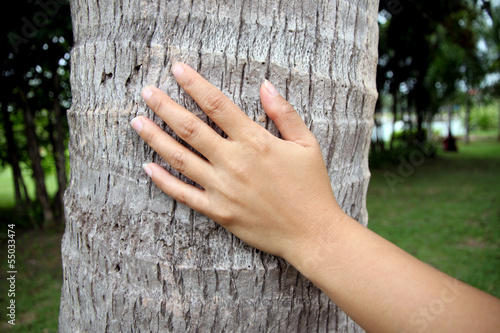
[135, 260]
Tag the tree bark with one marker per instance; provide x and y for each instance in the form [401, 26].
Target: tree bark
[135, 260]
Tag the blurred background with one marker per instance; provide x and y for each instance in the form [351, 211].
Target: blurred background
[435, 154]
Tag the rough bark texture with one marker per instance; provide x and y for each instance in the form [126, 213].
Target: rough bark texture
[134, 260]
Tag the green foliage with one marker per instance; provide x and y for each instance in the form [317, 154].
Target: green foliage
[484, 118]
[405, 144]
[379, 159]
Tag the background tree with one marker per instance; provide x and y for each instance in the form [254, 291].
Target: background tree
[35, 76]
[136, 260]
[491, 29]
[428, 53]
[456, 69]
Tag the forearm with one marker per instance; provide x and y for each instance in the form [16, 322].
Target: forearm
[385, 289]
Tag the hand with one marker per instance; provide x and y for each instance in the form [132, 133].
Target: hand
[273, 194]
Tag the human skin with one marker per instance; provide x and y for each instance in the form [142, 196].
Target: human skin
[288, 209]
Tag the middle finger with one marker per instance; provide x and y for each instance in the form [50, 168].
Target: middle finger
[185, 124]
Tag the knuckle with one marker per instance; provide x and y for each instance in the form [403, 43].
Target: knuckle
[284, 110]
[214, 103]
[153, 139]
[225, 218]
[182, 197]
[160, 104]
[189, 83]
[259, 143]
[178, 161]
[238, 170]
[188, 128]
[315, 143]
[287, 110]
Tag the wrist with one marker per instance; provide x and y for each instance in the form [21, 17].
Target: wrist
[320, 245]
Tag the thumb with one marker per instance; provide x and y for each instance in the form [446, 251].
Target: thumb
[288, 121]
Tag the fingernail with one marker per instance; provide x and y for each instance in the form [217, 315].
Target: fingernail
[270, 89]
[136, 124]
[147, 169]
[177, 69]
[146, 93]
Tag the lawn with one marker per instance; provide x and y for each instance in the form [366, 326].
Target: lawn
[446, 213]
[38, 282]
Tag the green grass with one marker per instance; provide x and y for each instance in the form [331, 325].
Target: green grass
[484, 134]
[447, 213]
[38, 282]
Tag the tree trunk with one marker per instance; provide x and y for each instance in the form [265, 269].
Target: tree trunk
[36, 163]
[134, 260]
[12, 153]
[498, 138]
[57, 136]
[394, 118]
[467, 120]
[450, 117]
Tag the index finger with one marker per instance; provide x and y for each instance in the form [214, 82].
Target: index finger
[212, 101]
